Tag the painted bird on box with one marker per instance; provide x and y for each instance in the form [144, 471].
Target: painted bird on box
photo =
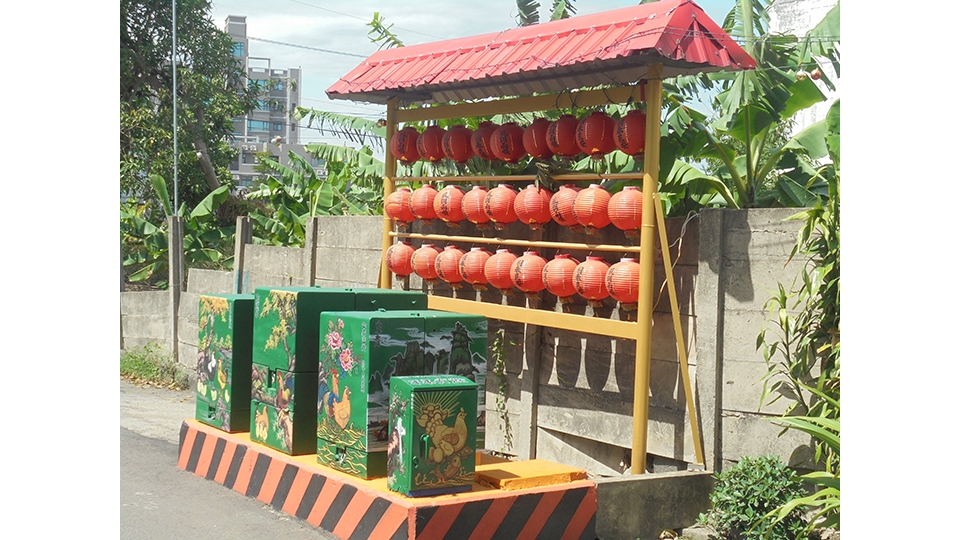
[334, 404]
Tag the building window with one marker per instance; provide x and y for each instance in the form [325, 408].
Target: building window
[277, 126]
[316, 162]
[263, 105]
[238, 49]
[258, 125]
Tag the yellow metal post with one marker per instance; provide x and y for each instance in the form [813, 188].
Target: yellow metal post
[681, 347]
[651, 172]
[389, 171]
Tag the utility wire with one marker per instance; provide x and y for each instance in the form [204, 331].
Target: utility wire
[307, 47]
[362, 19]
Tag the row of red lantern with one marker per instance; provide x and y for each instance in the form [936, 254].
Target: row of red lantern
[593, 279]
[591, 208]
[596, 135]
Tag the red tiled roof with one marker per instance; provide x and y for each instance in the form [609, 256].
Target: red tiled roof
[610, 48]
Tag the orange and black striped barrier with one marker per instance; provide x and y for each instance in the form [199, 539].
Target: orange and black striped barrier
[353, 508]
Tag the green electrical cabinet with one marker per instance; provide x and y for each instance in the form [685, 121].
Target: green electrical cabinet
[433, 435]
[286, 346]
[460, 344]
[359, 354]
[224, 356]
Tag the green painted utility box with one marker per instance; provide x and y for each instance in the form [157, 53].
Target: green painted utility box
[286, 345]
[224, 357]
[360, 353]
[433, 435]
[459, 342]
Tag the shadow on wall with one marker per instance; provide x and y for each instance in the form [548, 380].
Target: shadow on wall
[733, 243]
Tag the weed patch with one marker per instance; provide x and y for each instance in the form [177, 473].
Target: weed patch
[151, 366]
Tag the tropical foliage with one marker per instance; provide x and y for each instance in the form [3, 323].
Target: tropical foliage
[801, 343]
[211, 90]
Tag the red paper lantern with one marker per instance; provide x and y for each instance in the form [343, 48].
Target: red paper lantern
[532, 206]
[424, 260]
[562, 136]
[535, 139]
[590, 208]
[397, 206]
[625, 210]
[472, 205]
[498, 205]
[480, 140]
[448, 265]
[507, 141]
[589, 278]
[421, 202]
[561, 205]
[630, 133]
[623, 282]
[398, 258]
[456, 143]
[558, 277]
[526, 272]
[430, 144]
[448, 205]
[595, 134]
[497, 270]
[471, 267]
[403, 145]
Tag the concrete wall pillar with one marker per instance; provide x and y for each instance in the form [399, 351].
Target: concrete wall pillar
[311, 232]
[243, 236]
[709, 301]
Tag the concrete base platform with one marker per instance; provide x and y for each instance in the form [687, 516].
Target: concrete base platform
[353, 508]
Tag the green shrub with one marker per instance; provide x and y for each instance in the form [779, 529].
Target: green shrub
[150, 365]
[746, 492]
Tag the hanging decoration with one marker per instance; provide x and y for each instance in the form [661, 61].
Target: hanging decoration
[448, 206]
[535, 139]
[403, 145]
[532, 206]
[526, 273]
[630, 133]
[623, 282]
[472, 205]
[430, 144]
[421, 202]
[497, 270]
[561, 206]
[562, 136]
[397, 207]
[590, 208]
[471, 267]
[589, 278]
[480, 140]
[448, 265]
[507, 143]
[423, 262]
[498, 206]
[625, 211]
[398, 258]
[558, 277]
[456, 143]
[595, 135]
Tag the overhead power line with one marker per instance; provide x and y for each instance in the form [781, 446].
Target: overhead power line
[306, 47]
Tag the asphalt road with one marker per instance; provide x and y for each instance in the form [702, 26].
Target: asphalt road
[160, 501]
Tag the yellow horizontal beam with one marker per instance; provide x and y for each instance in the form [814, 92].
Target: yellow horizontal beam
[538, 317]
[566, 100]
[524, 243]
[572, 177]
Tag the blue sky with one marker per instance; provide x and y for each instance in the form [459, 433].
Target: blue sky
[341, 26]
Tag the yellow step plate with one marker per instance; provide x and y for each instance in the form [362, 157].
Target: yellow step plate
[511, 475]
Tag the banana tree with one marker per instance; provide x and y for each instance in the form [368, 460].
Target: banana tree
[753, 164]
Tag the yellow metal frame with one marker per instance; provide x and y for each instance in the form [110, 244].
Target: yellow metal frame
[642, 330]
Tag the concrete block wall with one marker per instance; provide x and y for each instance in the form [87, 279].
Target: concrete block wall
[348, 251]
[743, 256]
[145, 319]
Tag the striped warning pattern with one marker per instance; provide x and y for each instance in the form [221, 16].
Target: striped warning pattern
[352, 511]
